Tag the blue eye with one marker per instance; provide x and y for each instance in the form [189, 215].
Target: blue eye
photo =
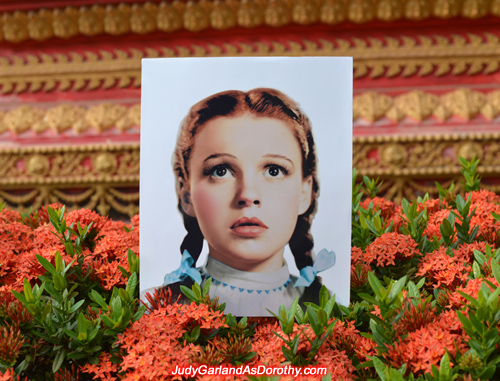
[218, 172]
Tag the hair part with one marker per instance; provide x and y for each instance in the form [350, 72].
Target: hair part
[261, 102]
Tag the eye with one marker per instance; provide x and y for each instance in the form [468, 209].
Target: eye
[275, 171]
[218, 172]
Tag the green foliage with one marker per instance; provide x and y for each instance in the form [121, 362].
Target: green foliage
[200, 296]
[319, 317]
[469, 171]
[481, 325]
[389, 299]
[70, 314]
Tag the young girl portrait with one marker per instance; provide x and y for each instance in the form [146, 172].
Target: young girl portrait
[246, 183]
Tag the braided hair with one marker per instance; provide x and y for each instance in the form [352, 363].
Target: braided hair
[261, 102]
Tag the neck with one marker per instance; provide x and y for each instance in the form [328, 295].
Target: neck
[270, 264]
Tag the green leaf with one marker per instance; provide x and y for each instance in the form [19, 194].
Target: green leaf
[82, 323]
[188, 292]
[396, 289]
[313, 320]
[132, 284]
[46, 264]
[375, 285]
[28, 293]
[444, 368]
[58, 360]
[76, 306]
[96, 297]
[495, 268]
[206, 287]
[379, 367]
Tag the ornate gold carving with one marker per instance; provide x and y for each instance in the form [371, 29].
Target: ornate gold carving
[143, 18]
[37, 165]
[69, 165]
[425, 156]
[393, 155]
[106, 177]
[389, 10]
[370, 106]
[104, 163]
[418, 9]
[376, 57]
[105, 198]
[420, 105]
[65, 116]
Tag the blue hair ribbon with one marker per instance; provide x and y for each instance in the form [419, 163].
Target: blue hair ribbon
[184, 271]
[324, 260]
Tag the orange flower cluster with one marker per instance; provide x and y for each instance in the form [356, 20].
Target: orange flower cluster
[386, 207]
[19, 243]
[425, 347]
[441, 269]
[389, 247]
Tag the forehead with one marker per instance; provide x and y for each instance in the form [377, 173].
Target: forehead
[247, 134]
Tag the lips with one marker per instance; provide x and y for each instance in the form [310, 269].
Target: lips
[248, 227]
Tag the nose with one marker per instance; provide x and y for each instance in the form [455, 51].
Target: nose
[248, 193]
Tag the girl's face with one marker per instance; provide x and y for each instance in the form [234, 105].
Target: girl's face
[246, 189]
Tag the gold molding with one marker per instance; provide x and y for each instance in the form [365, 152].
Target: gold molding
[371, 106]
[405, 56]
[22, 167]
[68, 116]
[144, 18]
[107, 176]
[420, 105]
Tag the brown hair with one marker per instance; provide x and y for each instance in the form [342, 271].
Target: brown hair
[260, 102]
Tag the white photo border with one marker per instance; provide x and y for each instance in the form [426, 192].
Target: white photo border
[322, 86]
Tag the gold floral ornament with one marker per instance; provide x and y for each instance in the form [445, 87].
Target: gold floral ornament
[117, 19]
[168, 19]
[417, 9]
[65, 22]
[389, 10]
[23, 118]
[104, 163]
[15, 27]
[495, 8]
[40, 25]
[446, 9]
[464, 102]
[417, 104]
[361, 11]
[195, 18]
[333, 12]
[250, 14]
[37, 165]
[131, 118]
[393, 155]
[277, 13]
[469, 150]
[474, 9]
[222, 16]
[63, 117]
[104, 116]
[143, 18]
[371, 106]
[91, 20]
[305, 12]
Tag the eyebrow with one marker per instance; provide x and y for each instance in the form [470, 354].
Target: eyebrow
[275, 156]
[216, 155]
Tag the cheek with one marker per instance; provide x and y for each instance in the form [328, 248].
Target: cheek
[206, 205]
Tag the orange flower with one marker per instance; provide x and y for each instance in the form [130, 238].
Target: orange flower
[438, 268]
[423, 348]
[389, 247]
[386, 207]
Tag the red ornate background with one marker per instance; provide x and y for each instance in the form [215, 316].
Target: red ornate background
[426, 88]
